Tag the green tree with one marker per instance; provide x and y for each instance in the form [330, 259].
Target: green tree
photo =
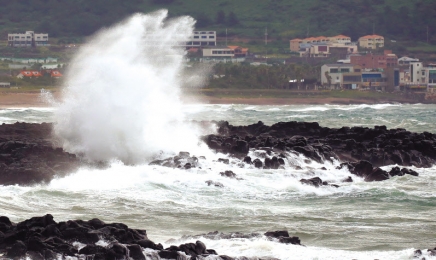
[329, 78]
[220, 17]
[203, 20]
[232, 19]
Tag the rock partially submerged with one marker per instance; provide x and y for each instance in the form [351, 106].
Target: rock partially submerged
[28, 156]
[43, 238]
[379, 146]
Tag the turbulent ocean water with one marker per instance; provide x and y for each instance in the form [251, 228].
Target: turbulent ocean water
[359, 220]
[130, 114]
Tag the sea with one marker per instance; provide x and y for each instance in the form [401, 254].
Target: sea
[358, 220]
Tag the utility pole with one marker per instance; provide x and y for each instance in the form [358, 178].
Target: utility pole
[226, 36]
[266, 43]
[266, 36]
[427, 33]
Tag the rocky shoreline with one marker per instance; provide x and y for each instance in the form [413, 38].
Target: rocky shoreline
[28, 155]
[42, 238]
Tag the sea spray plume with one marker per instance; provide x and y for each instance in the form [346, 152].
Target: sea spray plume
[121, 96]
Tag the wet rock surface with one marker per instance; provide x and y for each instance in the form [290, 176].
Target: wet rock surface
[44, 238]
[379, 146]
[28, 156]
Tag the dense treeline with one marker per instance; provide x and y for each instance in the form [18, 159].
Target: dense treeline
[285, 19]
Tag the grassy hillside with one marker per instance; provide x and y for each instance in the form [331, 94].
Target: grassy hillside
[285, 19]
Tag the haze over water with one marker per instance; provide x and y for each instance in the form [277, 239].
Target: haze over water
[122, 119]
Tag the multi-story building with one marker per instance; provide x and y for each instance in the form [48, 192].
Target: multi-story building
[415, 72]
[374, 61]
[419, 78]
[348, 76]
[374, 80]
[202, 39]
[341, 76]
[371, 41]
[320, 46]
[429, 73]
[405, 61]
[27, 39]
[294, 44]
[342, 39]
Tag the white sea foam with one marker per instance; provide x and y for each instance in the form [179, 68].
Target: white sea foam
[121, 97]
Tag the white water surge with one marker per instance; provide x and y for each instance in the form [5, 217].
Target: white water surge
[122, 104]
[121, 99]
[358, 220]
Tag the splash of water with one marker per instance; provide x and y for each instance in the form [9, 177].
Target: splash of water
[121, 97]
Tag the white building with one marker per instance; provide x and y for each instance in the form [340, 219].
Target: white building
[422, 78]
[341, 75]
[218, 52]
[406, 60]
[416, 73]
[5, 84]
[202, 38]
[27, 39]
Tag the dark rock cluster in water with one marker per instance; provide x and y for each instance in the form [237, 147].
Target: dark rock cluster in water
[379, 146]
[43, 238]
[363, 150]
[28, 156]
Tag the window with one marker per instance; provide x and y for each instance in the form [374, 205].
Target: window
[196, 37]
[345, 70]
[203, 37]
[352, 78]
[211, 37]
[322, 48]
[334, 70]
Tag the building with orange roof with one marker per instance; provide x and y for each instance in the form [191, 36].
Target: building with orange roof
[294, 44]
[371, 41]
[29, 74]
[320, 46]
[239, 51]
[55, 74]
[340, 39]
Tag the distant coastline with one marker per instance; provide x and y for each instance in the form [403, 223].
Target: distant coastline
[9, 99]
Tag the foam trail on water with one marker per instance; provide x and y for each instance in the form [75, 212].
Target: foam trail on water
[121, 96]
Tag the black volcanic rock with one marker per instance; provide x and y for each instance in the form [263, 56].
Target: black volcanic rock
[378, 146]
[29, 238]
[28, 156]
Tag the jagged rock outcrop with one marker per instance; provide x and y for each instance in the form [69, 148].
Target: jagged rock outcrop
[379, 146]
[28, 156]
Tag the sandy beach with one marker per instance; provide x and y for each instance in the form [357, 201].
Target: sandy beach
[34, 99]
[22, 99]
